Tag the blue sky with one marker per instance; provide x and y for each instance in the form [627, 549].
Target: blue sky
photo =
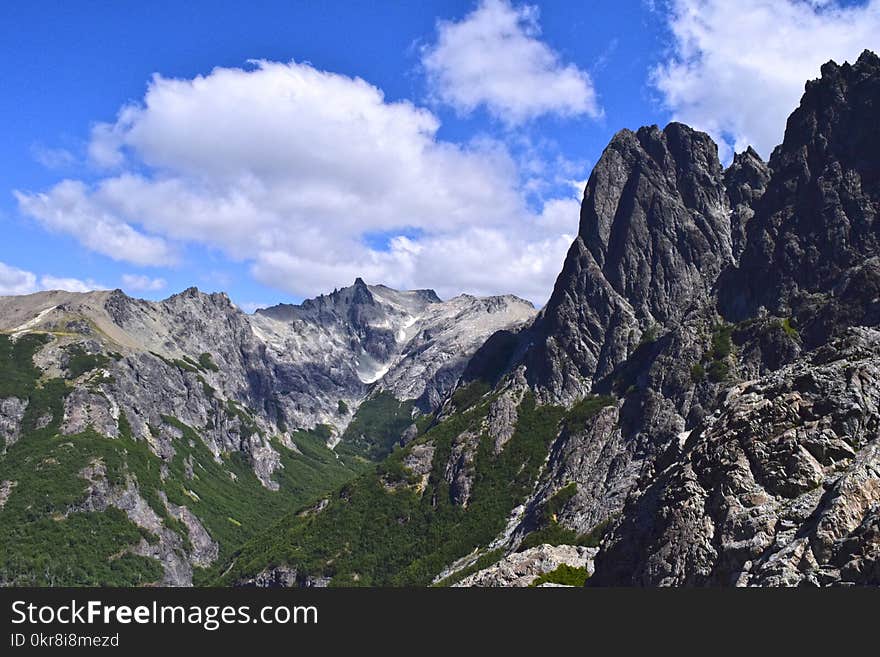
[431, 144]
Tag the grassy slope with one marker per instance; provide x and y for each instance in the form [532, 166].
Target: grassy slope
[370, 535]
[45, 545]
[367, 535]
[376, 427]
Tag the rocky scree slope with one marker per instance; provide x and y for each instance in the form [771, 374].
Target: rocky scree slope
[177, 428]
[696, 399]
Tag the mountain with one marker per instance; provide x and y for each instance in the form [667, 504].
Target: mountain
[697, 399]
[780, 485]
[363, 340]
[696, 404]
[169, 432]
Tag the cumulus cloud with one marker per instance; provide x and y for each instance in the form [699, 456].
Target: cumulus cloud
[737, 69]
[48, 282]
[483, 260]
[14, 281]
[291, 170]
[495, 58]
[71, 208]
[141, 283]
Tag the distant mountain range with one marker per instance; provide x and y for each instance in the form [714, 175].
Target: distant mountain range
[253, 388]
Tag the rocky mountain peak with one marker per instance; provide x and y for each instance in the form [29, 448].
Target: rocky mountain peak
[360, 293]
[364, 338]
[836, 116]
[746, 181]
[654, 217]
[816, 218]
[654, 233]
[190, 299]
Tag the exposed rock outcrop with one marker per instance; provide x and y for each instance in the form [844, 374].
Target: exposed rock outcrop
[745, 181]
[522, 568]
[6, 487]
[654, 234]
[367, 338]
[817, 218]
[11, 414]
[168, 548]
[780, 487]
[775, 482]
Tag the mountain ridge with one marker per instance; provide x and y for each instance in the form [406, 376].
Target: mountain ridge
[191, 384]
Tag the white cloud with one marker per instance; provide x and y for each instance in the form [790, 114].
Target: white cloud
[70, 208]
[14, 281]
[139, 282]
[104, 146]
[53, 158]
[251, 307]
[69, 284]
[494, 57]
[737, 69]
[479, 260]
[291, 170]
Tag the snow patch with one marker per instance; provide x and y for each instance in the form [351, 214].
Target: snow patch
[683, 436]
[31, 323]
[369, 370]
[372, 375]
[403, 331]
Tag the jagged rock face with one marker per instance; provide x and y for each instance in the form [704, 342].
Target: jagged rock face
[460, 471]
[364, 339]
[654, 217]
[817, 217]
[148, 377]
[631, 314]
[780, 487]
[745, 181]
[168, 548]
[430, 363]
[765, 471]
[775, 481]
[654, 234]
[585, 330]
[600, 461]
[11, 413]
[368, 321]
